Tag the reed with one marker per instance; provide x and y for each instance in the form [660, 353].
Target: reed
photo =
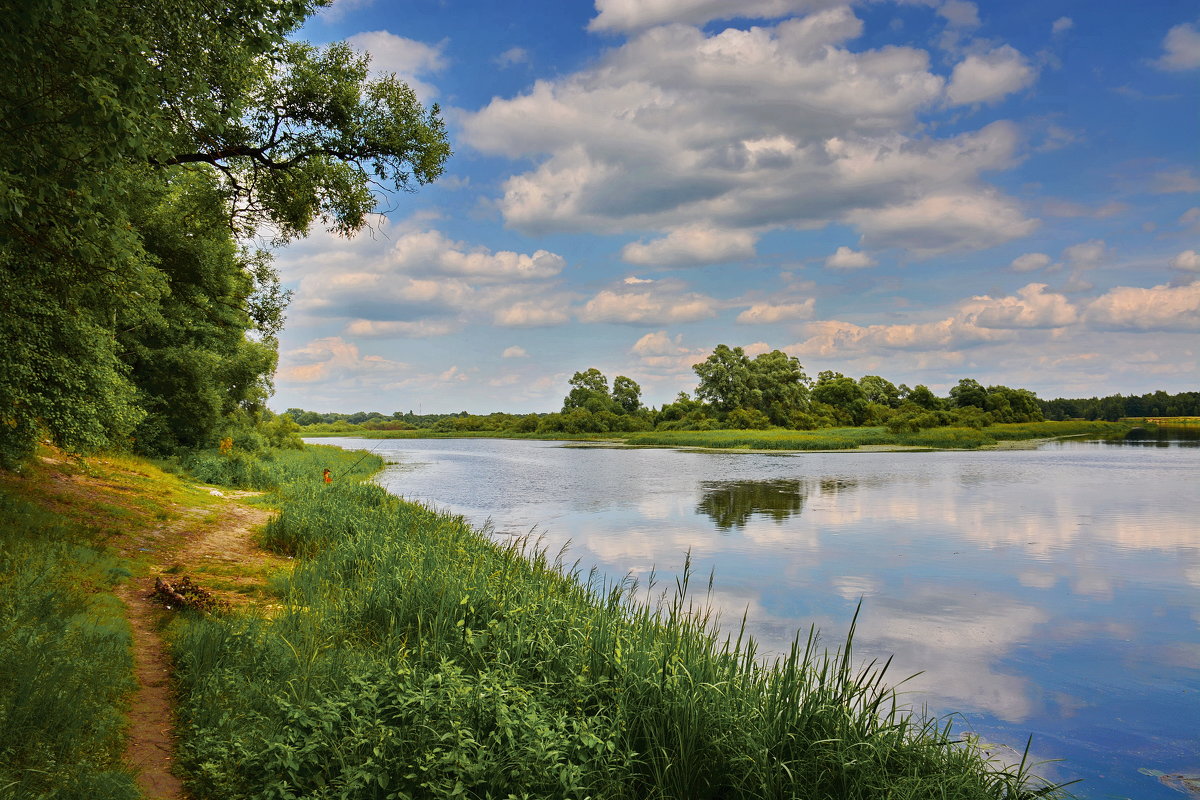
[275, 467]
[414, 657]
[956, 438]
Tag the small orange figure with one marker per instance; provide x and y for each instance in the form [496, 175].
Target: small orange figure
[328, 477]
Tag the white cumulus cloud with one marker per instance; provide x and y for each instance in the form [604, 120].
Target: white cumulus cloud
[692, 245]
[513, 55]
[1031, 307]
[1187, 260]
[845, 258]
[659, 344]
[514, 352]
[647, 306]
[767, 313]
[627, 15]
[417, 329]
[941, 223]
[1160, 308]
[741, 132]
[531, 314]
[333, 359]
[959, 13]
[1030, 262]
[1086, 255]
[431, 251]
[407, 58]
[1181, 48]
[988, 77]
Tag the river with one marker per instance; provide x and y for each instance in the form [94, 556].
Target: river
[1052, 592]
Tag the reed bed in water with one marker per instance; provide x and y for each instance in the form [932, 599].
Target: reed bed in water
[415, 658]
[851, 438]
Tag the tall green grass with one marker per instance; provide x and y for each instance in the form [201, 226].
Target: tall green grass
[65, 664]
[1048, 428]
[275, 467]
[415, 658]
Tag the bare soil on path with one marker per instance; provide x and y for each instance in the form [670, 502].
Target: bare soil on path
[165, 526]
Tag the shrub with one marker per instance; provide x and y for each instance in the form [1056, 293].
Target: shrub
[747, 419]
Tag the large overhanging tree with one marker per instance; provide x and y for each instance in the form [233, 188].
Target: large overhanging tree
[138, 141]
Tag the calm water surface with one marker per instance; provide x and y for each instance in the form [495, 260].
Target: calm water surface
[1052, 592]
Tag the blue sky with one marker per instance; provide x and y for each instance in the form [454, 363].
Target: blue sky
[920, 189]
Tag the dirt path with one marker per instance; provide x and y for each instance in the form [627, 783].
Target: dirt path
[151, 746]
[212, 544]
[166, 527]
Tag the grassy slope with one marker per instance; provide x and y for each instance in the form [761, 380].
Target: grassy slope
[65, 663]
[415, 658]
[73, 533]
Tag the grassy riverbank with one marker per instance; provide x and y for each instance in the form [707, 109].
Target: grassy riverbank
[944, 438]
[66, 669]
[407, 655]
[65, 666]
[413, 657]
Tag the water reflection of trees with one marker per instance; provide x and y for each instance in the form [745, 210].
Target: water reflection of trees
[731, 503]
[1163, 436]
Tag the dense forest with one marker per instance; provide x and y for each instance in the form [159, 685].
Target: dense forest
[142, 149]
[769, 390]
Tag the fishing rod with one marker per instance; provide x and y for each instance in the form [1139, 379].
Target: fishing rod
[360, 458]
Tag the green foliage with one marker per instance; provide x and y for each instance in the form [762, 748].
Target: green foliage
[725, 379]
[780, 387]
[746, 418]
[920, 395]
[1114, 407]
[268, 469]
[627, 394]
[589, 392]
[944, 430]
[306, 134]
[772, 383]
[583, 420]
[65, 664]
[136, 140]
[843, 398]
[416, 658]
[968, 392]
[192, 362]
[879, 390]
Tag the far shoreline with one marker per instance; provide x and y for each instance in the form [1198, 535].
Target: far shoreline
[1014, 436]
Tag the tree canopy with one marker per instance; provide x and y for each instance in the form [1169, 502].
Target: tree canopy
[772, 384]
[138, 142]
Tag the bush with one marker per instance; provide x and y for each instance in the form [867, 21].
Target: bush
[747, 419]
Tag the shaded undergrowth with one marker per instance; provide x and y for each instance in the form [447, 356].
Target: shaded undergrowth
[415, 658]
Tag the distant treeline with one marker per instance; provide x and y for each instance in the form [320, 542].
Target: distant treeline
[770, 390]
[1116, 406]
[735, 391]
